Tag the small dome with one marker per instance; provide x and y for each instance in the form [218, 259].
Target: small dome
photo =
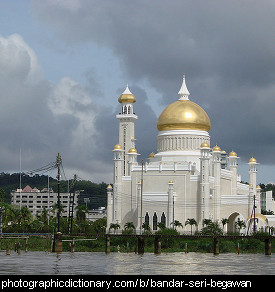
[171, 182]
[151, 155]
[232, 154]
[132, 150]
[216, 148]
[117, 147]
[127, 96]
[109, 187]
[205, 145]
[252, 160]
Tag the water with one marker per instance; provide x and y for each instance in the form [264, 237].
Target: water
[97, 263]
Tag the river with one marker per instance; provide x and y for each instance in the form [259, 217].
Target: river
[98, 263]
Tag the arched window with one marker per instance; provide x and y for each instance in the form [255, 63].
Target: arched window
[146, 219]
[129, 109]
[155, 221]
[163, 219]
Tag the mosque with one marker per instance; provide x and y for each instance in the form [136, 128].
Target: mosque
[185, 179]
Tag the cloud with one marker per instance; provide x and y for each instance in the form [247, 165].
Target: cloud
[40, 117]
[225, 48]
[43, 118]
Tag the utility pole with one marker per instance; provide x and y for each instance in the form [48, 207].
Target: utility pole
[254, 207]
[141, 196]
[58, 163]
[173, 212]
[71, 206]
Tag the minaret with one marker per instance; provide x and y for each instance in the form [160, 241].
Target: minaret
[216, 153]
[233, 164]
[127, 120]
[205, 186]
[253, 173]
[132, 158]
[253, 180]
[117, 187]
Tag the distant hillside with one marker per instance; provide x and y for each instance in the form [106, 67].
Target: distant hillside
[95, 192]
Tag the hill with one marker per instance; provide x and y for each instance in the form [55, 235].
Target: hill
[95, 192]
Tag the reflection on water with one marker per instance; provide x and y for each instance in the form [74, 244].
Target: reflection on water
[97, 263]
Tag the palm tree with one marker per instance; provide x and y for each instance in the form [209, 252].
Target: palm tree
[177, 224]
[129, 225]
[114, 226]
[191, 222]
[146, 226]
[224, 221]
[25, 217]
[240, 224]
[206, 222]
[81, 212]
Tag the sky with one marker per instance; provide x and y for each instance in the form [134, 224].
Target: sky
[63, 65]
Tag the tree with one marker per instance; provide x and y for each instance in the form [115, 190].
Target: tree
[114, 226]
[146, 226]
[161, 225]
[239, 224]
[99, 225]
[224, 221]
[129, 225]
[177, 224]
[206, 222]
[212, 228]
[44, 216]
[191, 222]
[81, 212]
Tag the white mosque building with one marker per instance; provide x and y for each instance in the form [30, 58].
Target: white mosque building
[185, 179]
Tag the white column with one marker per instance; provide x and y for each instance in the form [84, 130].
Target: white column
[217, 182]
[253, 173]
[205, 186]
[170, 203]
[117, 187]
[233, 164]
[110, 209]
[139, 208]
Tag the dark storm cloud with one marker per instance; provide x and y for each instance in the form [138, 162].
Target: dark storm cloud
[39, 117]
[108, 127]
[226, 49]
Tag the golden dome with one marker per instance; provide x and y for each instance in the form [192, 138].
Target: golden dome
[252, 160]
[171, 182]
[232, 154]
[127, 96]
[117, 147]
[109, 187]
[204, 145]
[216, 148]
[151, 155]
[132, 150]
[183, 115]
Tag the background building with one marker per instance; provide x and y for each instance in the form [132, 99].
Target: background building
[35, 200]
